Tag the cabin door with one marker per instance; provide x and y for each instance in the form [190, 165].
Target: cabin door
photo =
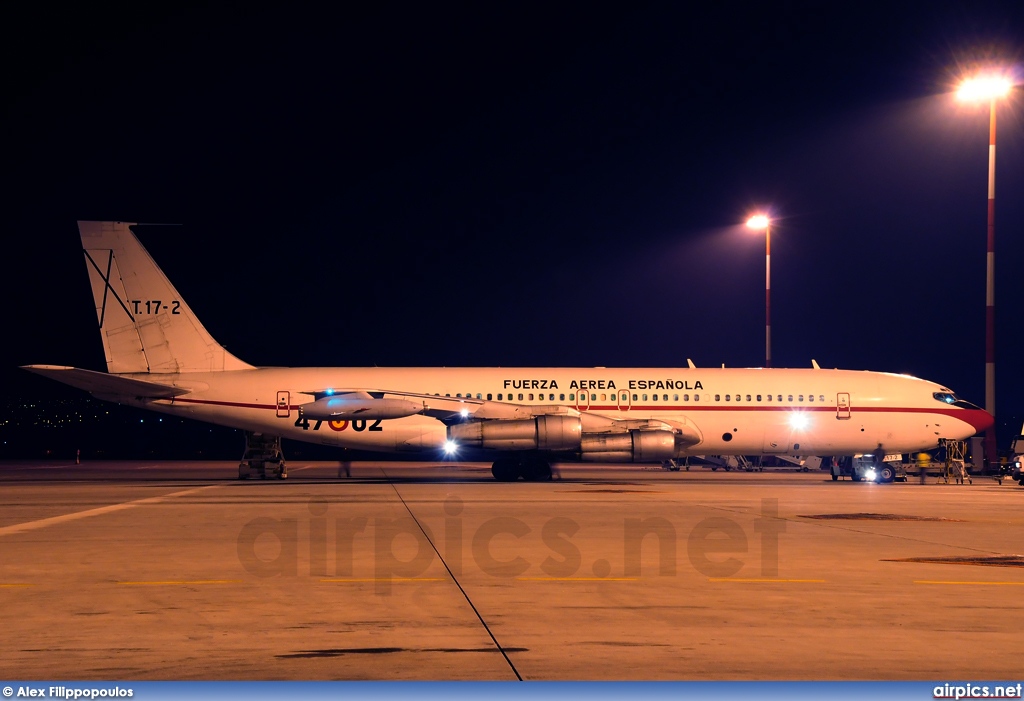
[284, 405]
[843, 405]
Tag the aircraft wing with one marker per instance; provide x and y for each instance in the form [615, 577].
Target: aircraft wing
[105, 384]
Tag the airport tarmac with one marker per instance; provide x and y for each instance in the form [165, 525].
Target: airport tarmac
[176, 570]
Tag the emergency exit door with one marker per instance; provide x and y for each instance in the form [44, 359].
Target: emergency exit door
[843, 405]
[284, 408]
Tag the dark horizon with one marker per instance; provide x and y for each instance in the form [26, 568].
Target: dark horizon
[529, 186]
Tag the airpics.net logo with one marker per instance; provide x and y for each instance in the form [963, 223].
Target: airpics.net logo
[978, 691]
[384, 550]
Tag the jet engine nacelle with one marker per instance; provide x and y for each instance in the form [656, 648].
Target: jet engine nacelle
[633, 446]
[342, 407]
[541, 433]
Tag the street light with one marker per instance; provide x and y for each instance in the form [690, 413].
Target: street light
[980, 89]
[758, 222]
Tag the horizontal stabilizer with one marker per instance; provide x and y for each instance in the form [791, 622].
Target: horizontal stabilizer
[106, 384]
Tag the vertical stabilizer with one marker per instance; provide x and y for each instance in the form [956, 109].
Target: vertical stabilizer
[144, 323]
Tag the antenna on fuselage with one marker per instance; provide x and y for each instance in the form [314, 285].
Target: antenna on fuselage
[690, 364]
[814, 364]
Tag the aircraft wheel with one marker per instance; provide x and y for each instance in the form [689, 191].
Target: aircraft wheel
[855, 476]
[886, 474]
[714, 469]
[536, 471]
[835, 478]
[505, 470]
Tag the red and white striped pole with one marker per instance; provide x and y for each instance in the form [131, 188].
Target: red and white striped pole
[991, 88]
[768, 295]
[758, 222]
[990, 291]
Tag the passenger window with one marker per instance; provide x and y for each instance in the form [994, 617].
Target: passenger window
[790, 398]
[625, 397]
[810, 397]
[654, 397]
[634, 397]
[520, 396]
[686, 397]
[447, 395]
[759, 397]
[572, 397]
[561, 397]
[604, 397]
[696, 397]
[821, 397]
[645, 397]
[675, 397]
[801, 397]
[718, 397]
[593, 397]
[780, 397]
[727, 397]
[479, 396]
[488, 397]
[499, 397]
[531, 396]
[748, 397]
[459, 394]
[664, 397]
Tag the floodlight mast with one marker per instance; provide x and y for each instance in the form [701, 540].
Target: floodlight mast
[758, 222]
[979, 89]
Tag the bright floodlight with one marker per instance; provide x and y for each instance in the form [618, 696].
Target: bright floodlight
[799, 420]
[758, 221]
[985, 88]
[450, 447]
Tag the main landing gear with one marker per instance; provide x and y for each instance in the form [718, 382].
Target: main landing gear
[530, 469]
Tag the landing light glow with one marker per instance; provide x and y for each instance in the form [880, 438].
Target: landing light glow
[450, 447]
[870, 475]
[464, 413]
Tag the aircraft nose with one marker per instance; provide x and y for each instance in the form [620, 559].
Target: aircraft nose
[980, 419]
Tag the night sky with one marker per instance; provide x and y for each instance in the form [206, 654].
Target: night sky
[514, 184]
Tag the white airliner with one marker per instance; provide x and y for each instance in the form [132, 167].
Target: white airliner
[160, 357]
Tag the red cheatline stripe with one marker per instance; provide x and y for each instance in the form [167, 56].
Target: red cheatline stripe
[662, 407]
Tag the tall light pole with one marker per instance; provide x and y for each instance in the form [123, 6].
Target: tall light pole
[979, 90]
[761, 221]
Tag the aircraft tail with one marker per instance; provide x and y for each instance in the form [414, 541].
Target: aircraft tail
[144, 323]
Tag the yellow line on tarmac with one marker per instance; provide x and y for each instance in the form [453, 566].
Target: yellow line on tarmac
[394, 580]
[1003, 584]
[576, 579]
[766, 580]
[15, 586]
[180, 582]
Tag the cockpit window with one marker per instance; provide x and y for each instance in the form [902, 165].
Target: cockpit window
[950, 398]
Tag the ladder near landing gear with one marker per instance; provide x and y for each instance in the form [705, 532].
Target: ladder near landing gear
[262, 455]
